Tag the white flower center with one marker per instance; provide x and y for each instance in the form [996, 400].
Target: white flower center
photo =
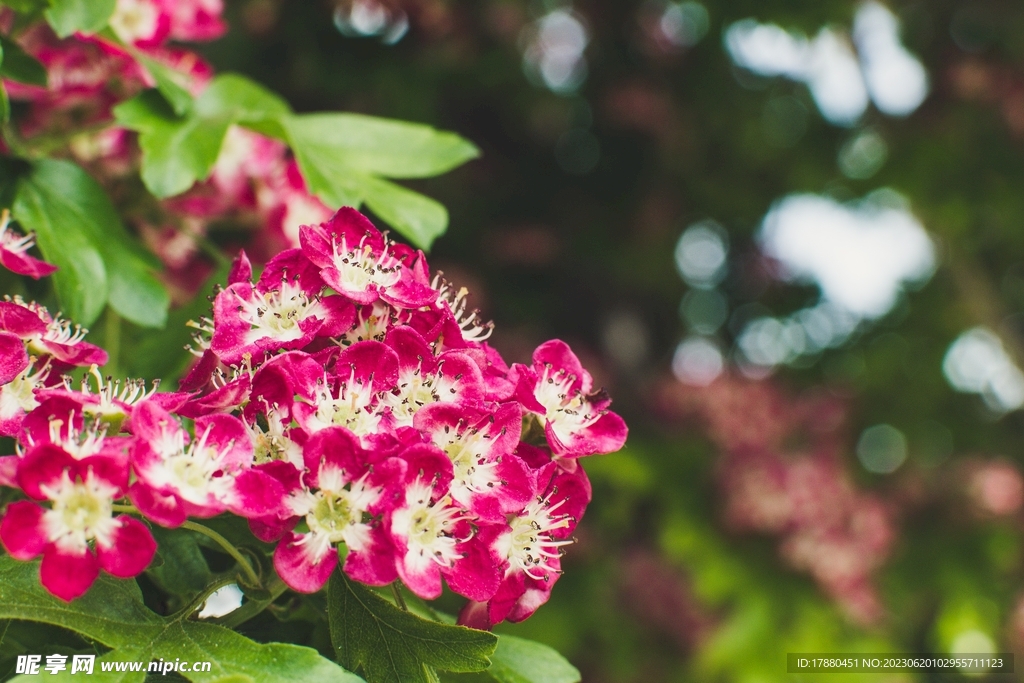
[353, 407]
[81, 512]
[78, 443]
[467, 450]
[18, 395]
[374, 323]
[358, 267]
[528, 545]
[194, 470]
[272, 443]
[567, 411]
[416, 389]
[335, 513]
[12, 241]
[427, 527]
[277, 313]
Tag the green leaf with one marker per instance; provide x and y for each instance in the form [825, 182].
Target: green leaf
[169, 83]
[113, 614]
[243, 100]
[176, 151]
[394, 646]
[81, 278]
[395, 149]
[417, 217]
[88, 16]
[74, 222]
[341, 155]
[524, 661]
[19, 65]
[184, 570]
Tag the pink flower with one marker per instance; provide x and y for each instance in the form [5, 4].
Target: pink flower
[286, 204]
[47, 335]
[339, 498]
[61, 421]
[180, 477]
[284, 310]
[488, 479]
[529, 546]
[141, 23]
[18, 396]
[576, 419]
[361, 263]
[78, 535]
[351, 397]
[433, 536]
[13, 248]
[452, 377]
[195, 20]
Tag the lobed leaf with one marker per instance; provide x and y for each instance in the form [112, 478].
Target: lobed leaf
[418, 217]
[180, 138]
[113, 614]
[391, 645]
[169, 83]
[176, 151]
[81, 277]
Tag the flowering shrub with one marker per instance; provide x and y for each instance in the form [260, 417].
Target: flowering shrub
[342, 402]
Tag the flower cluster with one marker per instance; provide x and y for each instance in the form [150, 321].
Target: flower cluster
[345, 403]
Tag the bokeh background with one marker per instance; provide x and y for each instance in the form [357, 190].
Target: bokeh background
[789, 238]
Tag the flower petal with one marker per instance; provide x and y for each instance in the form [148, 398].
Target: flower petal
[22, 530]
[13, 357]
[298, 565]
[67, 575]
[130, 551]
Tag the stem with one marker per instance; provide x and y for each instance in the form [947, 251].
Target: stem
[224, 543]
[399, 600]
[201, 599]
[112, 340]
[250, 609]
[229, 548]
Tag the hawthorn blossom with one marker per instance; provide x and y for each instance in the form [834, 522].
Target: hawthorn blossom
[575, 418]
[180, 477]
[48, 335]
[78, 535]
[529, 545]
[423, 379]
[340, 498]
[361, 263]
[284, 310]
[346, 406]
[433, 536]
[488, 479]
